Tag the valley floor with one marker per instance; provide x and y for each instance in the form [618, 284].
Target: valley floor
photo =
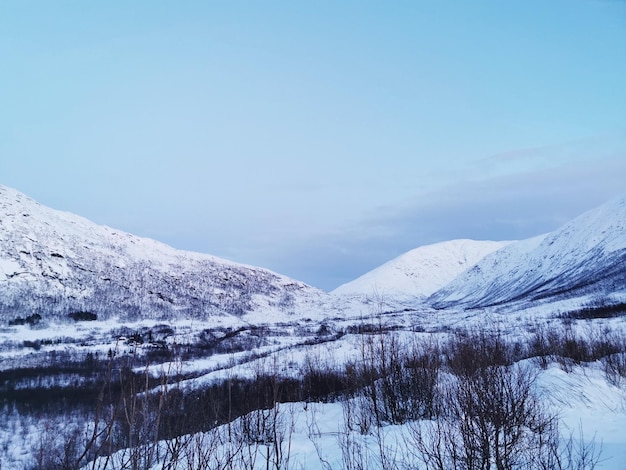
[323, 417]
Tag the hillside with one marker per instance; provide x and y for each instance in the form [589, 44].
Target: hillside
[422, 271]
[53, 263]
[585, 258]
[226, 361]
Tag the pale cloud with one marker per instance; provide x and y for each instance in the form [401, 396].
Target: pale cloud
[501, 208]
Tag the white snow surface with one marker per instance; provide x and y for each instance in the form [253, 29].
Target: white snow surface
[421, 271]
[48, 256]
[586, 256]
[315, 436]
[55, 262]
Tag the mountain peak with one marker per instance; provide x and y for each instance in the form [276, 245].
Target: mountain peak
[421, 271]
[583, 258]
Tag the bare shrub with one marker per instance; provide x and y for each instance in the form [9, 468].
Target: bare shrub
[393, 382]
[492, 416]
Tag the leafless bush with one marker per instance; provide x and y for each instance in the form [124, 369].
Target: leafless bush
[393, 382]
[615, 368]
[492, 416]
[58, 448]
[564, 345]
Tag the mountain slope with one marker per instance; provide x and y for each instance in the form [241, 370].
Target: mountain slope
[55, 263]
[422, 271]
[585, 257]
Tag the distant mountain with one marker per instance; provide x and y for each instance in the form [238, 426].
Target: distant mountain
[55, 263]
[584, 258]
[422, 271]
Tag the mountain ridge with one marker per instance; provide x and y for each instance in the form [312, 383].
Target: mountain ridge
[56, 262]
[586, 257]
[421, 271]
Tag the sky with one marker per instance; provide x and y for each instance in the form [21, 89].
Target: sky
[317, 139]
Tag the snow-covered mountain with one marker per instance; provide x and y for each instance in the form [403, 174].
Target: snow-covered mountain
[55, 263]
[585, 258]
[420, 272]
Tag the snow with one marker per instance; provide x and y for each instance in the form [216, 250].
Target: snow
[315, 435]
[586, 402]
[584, 257]
[8, 268]
[54, 262]
[421, 271]
[67, 263]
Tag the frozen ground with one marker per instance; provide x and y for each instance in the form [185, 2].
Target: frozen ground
[585, 401]
[314, 435]
[250, 319]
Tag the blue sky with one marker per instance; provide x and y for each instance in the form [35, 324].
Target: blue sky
[318, 139]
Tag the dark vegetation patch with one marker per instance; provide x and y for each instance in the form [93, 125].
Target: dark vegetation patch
[600, 311]
[82, 316]
[464, 377]
[31, 320]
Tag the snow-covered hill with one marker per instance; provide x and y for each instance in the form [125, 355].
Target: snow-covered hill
[259, 324]
[586, 258]
[422, 271]
[54, 263]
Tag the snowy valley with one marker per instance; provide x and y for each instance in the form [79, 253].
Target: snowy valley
[121, 352]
